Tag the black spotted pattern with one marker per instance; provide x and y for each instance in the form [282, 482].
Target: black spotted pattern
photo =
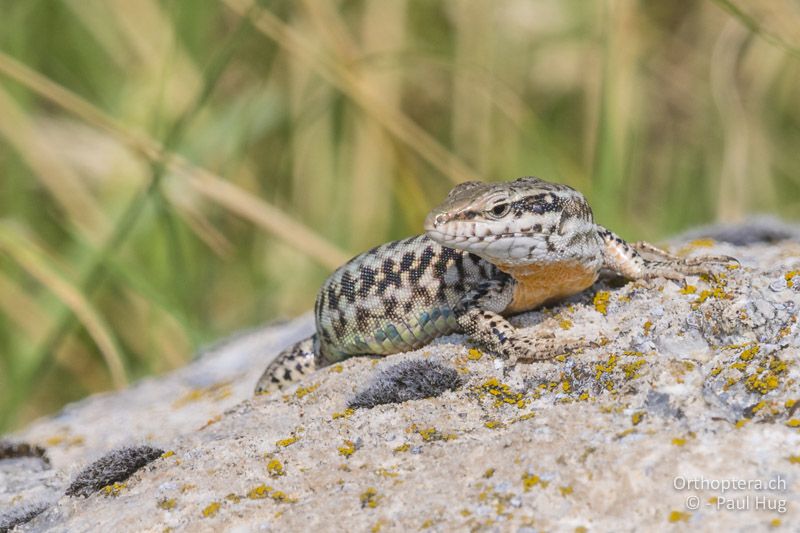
[395, 297]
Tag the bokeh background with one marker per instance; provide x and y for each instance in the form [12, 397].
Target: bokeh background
[172, 171]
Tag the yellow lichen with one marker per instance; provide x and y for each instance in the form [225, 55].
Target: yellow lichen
[347, 449]
[637, 417]
[115, 489]
[402, 448]
[789, 277]
[766, 376]
[565, 490]
[212, 421]
[647, 327]
[751, 352]
[632, 369]
[474, 355]
[494, 424]
[601, 301]
[65, 440]
[678, 441]
[386, 473]
[304, 391]
[565, 323]
[529, 481]
[768, 383]
[168, 453]
[259, 492]
[233, 497]
[275, 468]
[526, 416]
[605, 368]
[794, 459]
[717, 293]
[343, 414]
[502, 393]
[489, 473]
[337, 368]
[287, 442]
[677, 516]
[215, 392]
[793, 423]
[280, 496]
[167, 503]
[211, 509]
[688, 289]
[369, 498]
[427, 434]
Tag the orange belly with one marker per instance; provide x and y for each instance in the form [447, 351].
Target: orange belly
[541, 284]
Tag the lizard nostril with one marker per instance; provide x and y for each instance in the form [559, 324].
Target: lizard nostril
[440, 219]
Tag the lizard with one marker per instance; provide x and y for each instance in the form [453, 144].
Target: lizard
[489, 251]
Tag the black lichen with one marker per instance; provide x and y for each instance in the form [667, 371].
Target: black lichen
[758, 229]
[408, 380]
[21, 515]
[13, 450]
[115, 466]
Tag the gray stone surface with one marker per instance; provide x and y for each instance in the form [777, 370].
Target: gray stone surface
[681, 388]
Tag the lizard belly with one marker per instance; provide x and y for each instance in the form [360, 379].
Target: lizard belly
[540, 284]
[387, 337]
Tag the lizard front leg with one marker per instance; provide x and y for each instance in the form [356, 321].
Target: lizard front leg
[628, 260]
[478, 315]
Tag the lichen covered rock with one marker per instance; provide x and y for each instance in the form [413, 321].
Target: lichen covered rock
[681, 387]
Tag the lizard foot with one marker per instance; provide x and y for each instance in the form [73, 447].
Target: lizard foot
[531, 348]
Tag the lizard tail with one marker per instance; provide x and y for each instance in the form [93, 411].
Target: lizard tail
[288, 366]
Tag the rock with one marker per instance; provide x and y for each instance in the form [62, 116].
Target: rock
[680, 410]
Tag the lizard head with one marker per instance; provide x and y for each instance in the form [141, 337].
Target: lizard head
[520, 222]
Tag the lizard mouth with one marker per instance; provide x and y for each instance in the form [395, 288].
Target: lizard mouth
[440, 236]
[467, 241]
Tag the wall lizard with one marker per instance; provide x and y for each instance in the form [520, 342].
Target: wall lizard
[490, 250]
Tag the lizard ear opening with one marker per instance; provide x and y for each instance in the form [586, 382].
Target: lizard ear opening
[463, 187]
[529, 180]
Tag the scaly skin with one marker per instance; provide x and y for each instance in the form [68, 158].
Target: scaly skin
[490, 250]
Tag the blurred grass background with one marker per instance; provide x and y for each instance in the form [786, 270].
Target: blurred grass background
[174, 170]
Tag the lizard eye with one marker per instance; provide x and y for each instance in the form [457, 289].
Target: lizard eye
[500, 210]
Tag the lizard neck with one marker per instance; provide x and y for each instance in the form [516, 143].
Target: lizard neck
[543, 283]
